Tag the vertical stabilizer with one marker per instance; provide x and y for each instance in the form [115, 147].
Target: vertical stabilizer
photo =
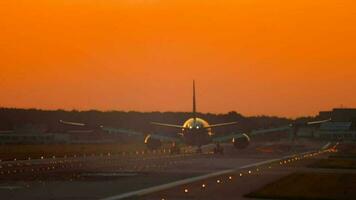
[194, 102]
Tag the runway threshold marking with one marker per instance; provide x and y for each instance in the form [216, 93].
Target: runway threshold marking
[194, 179]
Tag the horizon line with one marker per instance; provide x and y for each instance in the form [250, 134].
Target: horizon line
[153, 111]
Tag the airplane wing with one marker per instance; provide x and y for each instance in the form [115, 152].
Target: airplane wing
[269, 130]
[167, 125]
[181, 127]
[293, 128]
[136, 133]
[222, 124]
[112, 130]
[235, 136]
[228, 138]
[318, 122]
[71, 123]
[285, 128]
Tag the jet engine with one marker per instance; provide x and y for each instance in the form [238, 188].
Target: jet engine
[152, 143]
[241, 142]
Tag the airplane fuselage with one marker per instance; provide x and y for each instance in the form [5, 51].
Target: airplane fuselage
[195, 132]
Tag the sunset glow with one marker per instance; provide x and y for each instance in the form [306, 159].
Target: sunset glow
[257, 57]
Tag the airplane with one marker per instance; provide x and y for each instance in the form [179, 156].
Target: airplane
[197, 132]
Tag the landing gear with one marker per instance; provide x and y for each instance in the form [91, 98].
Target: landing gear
[218, 149]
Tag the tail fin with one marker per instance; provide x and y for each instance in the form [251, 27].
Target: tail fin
[194, 102]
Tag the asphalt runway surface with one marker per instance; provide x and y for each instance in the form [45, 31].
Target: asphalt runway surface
[103, 176]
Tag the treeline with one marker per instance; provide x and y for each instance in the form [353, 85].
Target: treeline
[13, 118]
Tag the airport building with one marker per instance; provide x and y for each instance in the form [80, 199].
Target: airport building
[341, 127]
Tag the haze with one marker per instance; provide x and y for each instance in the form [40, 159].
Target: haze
[253, 56]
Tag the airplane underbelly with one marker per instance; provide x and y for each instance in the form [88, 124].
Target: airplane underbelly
[197, 138]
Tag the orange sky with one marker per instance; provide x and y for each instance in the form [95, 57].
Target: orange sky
[253, 56]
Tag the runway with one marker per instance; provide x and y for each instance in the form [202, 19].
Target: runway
[196, 186]
[106, 176]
